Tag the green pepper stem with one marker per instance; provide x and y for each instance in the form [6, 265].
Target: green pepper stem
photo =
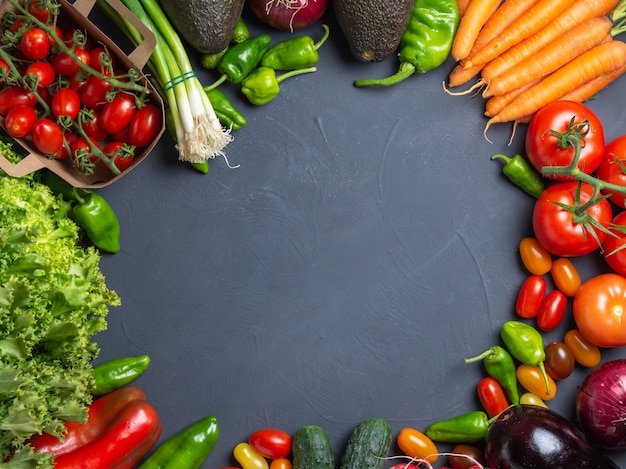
[480, 357]
[216, 83]
[542, 368]
[319, 43]
[405, 70]
[292, 73]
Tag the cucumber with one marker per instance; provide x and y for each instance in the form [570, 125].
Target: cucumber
[311, 449]
[368, 445]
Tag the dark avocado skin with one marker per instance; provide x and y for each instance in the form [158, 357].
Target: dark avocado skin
[372, 28]
[207, 25]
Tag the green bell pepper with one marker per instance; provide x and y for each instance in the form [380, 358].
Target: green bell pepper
[500, 366]
[228, 115]
[426, 42]
[471, 427]
[187, 449]
[521, 173]
[261, 86]
[298, 52]
[114, 374]
[525, 343]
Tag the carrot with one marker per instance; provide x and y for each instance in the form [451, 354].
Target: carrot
[496, 103]
[460, 75]
[580, 11]
[508, 12]
[536, 18]
[592, 87]
[553, 56]
[600, 60]
[462, 4]
[476, 14]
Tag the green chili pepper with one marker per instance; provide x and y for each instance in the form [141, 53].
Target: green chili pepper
[521, 173]
[228, 115]
[525, 344]
[471, 427]
[240, 59]
[261, 86]
[426, 42]
[202, 167]
[90, 211]
[187, 449]
[211, 61]
[500, 366]
[114, 374]
[298, 52]
[240, 33]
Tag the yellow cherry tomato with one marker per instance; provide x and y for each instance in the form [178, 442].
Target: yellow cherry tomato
[416, 445]
[249, 458]
[529, 398]
[531, 379]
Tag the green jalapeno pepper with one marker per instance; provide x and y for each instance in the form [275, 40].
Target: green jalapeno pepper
[228, 115]
[426, 42]
[240, 59]
[525, 343]
[114, 374]
[500, 366]
[261, 86]
[187, 449]
[90, 211]
[211, 61]
[298, 52]
[521, 173]
[241, 32]
[471, 427]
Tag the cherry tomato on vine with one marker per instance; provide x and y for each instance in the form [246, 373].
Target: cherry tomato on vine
[65, 65]
[585, 353]
[145, 125]
[42, 14]
[63, 152]
[47, 136]
[535, 257]
[82, 150]
[35, 44]
[559, 361]
[531, 379]
[614, 246]
[465, 456]
[599, 309]
[20, 120]
[530, 296]
[564, 233]
[552, 310]
[42, 71]
[93, 128]
[613, 168]
[542, 146]
[491, 396]
[14, 96]
[565, 276]
[95, 60]
[118, 113]
[17, 24]
[66, 102]
[416, 444]
[271, 443]
[94, 92]
[122, 155]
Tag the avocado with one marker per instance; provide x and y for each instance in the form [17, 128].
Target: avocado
[207, 25]
[373, 28]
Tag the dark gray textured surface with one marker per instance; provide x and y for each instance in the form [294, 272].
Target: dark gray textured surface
[363, 248]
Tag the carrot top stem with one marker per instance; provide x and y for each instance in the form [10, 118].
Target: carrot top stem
[618, 16]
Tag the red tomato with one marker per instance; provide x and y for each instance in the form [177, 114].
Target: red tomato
[491, 396]
[118, 113]
[63, 152]
[543, 148]
[612, 168]
[552, 310]
[35, 44]
[95, 60]
[15, 96]
[122, 154]
[42, 14]
[17, 24]
[600, 310]
[20, 120]
[94, 93]
[65, 65]
[42, 71]
[66, 102]
[93, 128]
[530, 296]
[614, 246]
[47, 136]
[145, 125]
[271, 443]
[562, 232]
[5, 67]
[559, 361]
[81, 150]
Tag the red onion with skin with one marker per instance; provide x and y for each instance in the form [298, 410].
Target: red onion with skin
[290, 15]
[601, 405]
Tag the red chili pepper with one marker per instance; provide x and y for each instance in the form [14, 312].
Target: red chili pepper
[121, 428]
[491, 396]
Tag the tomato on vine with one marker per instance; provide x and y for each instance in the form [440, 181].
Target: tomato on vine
[20, 121]
[42, 71]
[118, 113]
[614, 246]
[47, 136]
[122, 154]
[66, 102]
[35, 44]
[568, 221]
[145, 125]
[613, 168]
[549, 133]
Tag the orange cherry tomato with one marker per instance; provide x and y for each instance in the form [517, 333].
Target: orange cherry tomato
[535, 257]
[530, 296]
[281, 463]
[531, 379]
[585, 353]
[600, 310]
[416, 445]
[565, 276]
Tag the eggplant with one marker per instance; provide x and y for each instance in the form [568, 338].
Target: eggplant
[525, 437]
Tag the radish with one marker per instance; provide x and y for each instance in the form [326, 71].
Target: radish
[289, 15]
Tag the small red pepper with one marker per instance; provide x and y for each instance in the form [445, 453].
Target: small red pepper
[491, 396]
[121, 428]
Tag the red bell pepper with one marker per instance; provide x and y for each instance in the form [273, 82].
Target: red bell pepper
[121, 428]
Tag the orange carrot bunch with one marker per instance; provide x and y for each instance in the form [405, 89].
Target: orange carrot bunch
[527, 53]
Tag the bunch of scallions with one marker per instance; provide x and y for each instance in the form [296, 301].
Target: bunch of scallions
[199, 133]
